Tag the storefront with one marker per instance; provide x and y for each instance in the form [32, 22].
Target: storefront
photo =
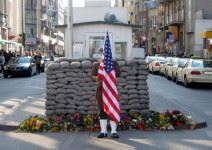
[11, 46]
[207, 42]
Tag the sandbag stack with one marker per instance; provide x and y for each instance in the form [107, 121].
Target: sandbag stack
[70, 87]
[132, 86]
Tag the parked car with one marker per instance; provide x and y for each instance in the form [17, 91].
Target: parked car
[23, 65]
[155, 65]
[176, 67]
[195, 71]
[149, 59]
[171, 67]
[163, 70]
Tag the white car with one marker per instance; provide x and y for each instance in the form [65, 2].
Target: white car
[164, 67]
[149, 60]
[155, 65]
[195, 71]
[174, 69]
[171, 67]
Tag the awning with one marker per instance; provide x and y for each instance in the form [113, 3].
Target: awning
[206, 35]
[2, 42]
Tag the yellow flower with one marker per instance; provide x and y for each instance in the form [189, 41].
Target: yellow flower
[162, 116]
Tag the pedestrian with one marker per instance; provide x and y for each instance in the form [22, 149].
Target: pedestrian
[38, 58]
[99, 97]
[2, 61]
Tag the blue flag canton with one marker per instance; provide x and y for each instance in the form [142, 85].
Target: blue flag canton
[108, 64]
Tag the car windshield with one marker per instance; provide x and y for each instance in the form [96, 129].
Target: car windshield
[182, 62]
[161, 59]
[207, 64]
[22, 60]
[202, 63]
[151, 59]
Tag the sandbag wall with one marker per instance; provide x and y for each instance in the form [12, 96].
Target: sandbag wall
[70, 87]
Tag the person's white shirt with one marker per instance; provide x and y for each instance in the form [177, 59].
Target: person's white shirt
[2, 60]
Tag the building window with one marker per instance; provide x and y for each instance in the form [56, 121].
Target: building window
[120, 50]
[154, 22]
[95, 44]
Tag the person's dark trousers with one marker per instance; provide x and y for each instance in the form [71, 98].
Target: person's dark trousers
[2, 68]
[38, 68]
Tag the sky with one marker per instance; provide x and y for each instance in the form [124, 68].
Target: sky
[80, 3]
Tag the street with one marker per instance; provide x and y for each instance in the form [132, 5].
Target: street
[20, 97]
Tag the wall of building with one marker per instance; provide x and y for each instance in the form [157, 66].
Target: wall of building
[200, 26]
[206, 6]
[152, 32]
[97, 3]
[15, 17]
[118, 33]
[90, 14]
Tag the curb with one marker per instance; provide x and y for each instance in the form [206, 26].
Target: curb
[8, 127]
[199, 125]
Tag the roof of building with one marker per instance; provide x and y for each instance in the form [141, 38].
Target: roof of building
[100, 22]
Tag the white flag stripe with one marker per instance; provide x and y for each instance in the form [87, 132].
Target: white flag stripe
[114, 100]
[116, 115]
[102, 64]
[101, 72]
[112, 84]
[114, 76]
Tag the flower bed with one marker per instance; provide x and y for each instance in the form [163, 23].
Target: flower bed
[151, 120]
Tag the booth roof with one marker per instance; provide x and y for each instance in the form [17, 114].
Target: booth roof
[100, 22]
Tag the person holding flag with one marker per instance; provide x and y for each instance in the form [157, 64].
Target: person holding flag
[105, 72]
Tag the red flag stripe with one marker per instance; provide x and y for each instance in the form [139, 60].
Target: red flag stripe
[112, 84]
[112, 76]
[111, 101]
[110, 111]
[113, 95]
[106, 109]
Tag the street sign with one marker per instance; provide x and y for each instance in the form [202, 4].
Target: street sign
[30, 41]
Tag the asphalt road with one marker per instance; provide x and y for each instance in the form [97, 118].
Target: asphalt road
[164, 95]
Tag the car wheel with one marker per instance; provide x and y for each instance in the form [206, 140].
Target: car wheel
[5, 75]
[30, 72]
[177, 80]
[173, 78]
[186, 82]
[167, 76]
[153, 72]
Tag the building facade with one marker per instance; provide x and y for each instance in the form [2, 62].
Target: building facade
[180, 21]
[3, 23]
[172, 22]
[32, 24]
[40, 33]
[52, 14]
[11, 25]
[136, 16]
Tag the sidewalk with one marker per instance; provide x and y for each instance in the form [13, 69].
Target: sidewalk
[15, 111]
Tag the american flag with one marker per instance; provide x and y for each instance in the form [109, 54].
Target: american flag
[107, 73]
